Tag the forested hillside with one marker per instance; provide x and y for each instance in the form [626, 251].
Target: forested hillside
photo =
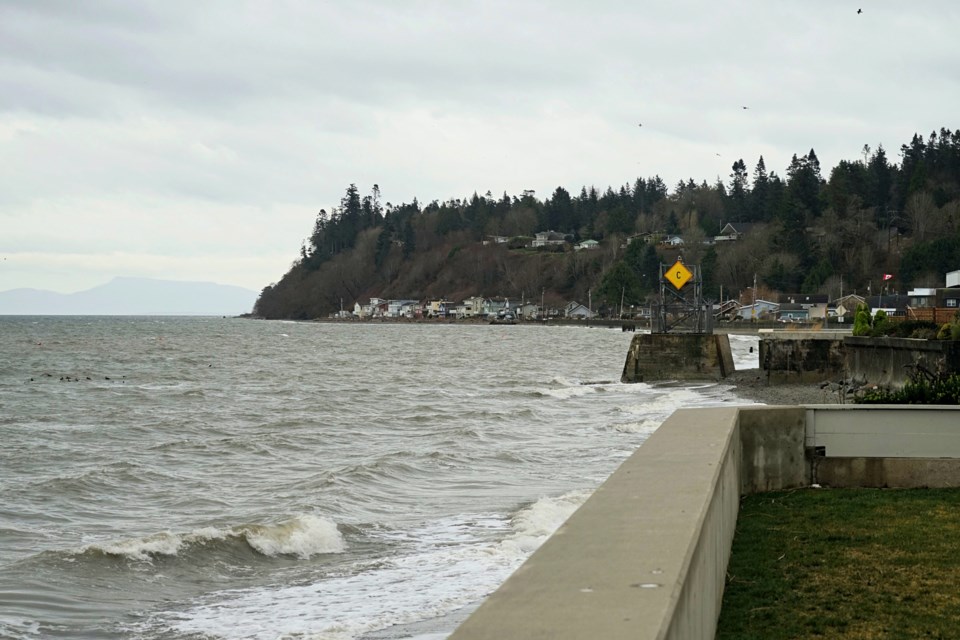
[871, 215]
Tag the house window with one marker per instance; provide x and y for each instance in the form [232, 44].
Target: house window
[951, 302]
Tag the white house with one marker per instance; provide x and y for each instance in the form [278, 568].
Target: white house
[545, 238]
[587, 244]
[471, 307]
[577, 310]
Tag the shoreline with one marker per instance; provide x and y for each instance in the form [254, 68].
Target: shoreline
[751, 384]
[746, 384]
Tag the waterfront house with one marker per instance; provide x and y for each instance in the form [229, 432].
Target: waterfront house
[793, 313]
[403, 309]
[761, 309]
[529, 311]
[472, 307]
[577, 310]
[440, 308]
[814, 303]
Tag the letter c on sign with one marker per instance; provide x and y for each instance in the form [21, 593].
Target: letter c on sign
[679, 275]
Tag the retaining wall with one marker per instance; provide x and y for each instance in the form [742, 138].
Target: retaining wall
[645, 556]
[889, 361]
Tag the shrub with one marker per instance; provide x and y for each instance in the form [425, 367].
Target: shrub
[861, 322]
[923, 387]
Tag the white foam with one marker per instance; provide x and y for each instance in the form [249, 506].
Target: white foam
[159, 544]
[568, 392]
[441, 575]
[642, 426]
[301, 536]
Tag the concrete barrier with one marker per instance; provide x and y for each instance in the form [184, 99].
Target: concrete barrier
[678, 356]
[645, 556]
[889, 361]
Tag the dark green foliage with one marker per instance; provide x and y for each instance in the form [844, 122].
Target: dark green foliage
[409, 239]
[939, 256]
[855, 226]
[862, 322]
[923, 329]
[620, 283]
[817, 276]
[923, 387]
[383, 247]
[643, 260]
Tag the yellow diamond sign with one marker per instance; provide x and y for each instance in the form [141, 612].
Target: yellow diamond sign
[678, 275]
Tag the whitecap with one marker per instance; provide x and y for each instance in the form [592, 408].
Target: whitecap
[303, 537]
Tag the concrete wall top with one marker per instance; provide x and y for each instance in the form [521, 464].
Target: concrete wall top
[644, 557]
[616, 568]
[805, 335]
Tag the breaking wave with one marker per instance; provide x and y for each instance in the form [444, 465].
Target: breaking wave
[303, 536]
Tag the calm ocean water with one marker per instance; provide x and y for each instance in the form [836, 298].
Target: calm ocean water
[225, 478]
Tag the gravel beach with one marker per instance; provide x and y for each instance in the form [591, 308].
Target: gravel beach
[751, 384]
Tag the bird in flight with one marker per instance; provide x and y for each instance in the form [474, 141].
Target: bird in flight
[718, 155]
[744, 107]
[859, 11]
[640, 125]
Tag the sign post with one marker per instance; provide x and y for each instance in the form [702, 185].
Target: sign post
[681, 306]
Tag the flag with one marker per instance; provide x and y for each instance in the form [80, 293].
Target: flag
[887, 276]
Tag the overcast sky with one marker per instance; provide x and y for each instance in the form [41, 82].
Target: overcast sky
[196, 140]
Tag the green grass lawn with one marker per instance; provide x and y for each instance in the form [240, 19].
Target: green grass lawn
[845, 563]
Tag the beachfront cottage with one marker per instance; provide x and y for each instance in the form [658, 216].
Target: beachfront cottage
[529, 311]
[761, 309]
[815, 304]
[471, 308]
[440, 308]
[578, 311]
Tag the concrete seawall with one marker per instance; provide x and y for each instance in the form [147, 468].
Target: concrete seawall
[645, 556]
[678, 356]
[828, 356]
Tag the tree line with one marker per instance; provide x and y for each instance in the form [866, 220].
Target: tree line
[810, 234]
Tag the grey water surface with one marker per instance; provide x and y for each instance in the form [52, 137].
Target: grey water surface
[227, 478]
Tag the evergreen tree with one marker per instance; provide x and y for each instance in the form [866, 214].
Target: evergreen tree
[409, 239]
[620, 283]
[759, 200]
[737, 199]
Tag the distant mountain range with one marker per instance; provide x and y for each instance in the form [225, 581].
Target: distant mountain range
[132, 296]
